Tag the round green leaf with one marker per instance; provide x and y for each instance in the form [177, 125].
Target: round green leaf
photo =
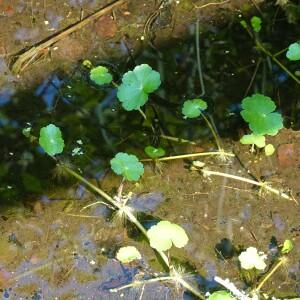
[256, 23]
[128, 254]
[154, 153]
[164, 234]
[287, 247]
[193, 108]
[221, 295]
[293, 52]
[100, 75]
[253, 139]
[269, 150]
[128, 166]
[137, 85]
[51, 140]
[258, 112]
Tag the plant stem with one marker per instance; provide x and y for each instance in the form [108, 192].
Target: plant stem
[141, 282]
[134, 220]
[190, 155]
[281, 261]
[220, 148]
[175, 139]
[261, 184]
[197, 33]
[146, 119]
[264, 50]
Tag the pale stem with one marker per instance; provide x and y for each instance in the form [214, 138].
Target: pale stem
[213, 131]
[191, 155]
[145, 118]
[141, 282]
[261, 184]
[175, 139]
[281, 261]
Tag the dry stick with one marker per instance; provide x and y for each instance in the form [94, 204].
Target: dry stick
[190, 155]
[34, 51]
[135, 221]
[261, 184]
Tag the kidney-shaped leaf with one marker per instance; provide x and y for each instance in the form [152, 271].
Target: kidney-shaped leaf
[128, 166]
[221, 295]
[293, 52]
[164, 234]
[193, 108]
[253, 139]
[154, 153]
[258, 111]
[51, 140]
[128, 254]
[137, 85]
[100, 75]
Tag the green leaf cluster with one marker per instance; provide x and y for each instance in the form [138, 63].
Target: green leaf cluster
[256, 23]
[192, 108]
[164, 234]
[137, 85]
[127, 165]
[51, 140]
[258, 111]
[100, 75]
[154, 153]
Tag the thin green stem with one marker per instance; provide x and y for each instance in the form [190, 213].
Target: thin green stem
[264, 50]
[146, 119]
[178, 140]
[182, 156]
[197, 33]
[281, 261]
[213, 131]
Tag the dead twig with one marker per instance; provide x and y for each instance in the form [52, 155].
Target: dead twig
[40, 48]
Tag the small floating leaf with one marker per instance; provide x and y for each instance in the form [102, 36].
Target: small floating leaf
[128, 166]
[253, 139]
[269, 150]
[221, 295]
[164, 234]
[258, 111]
[193, 108]
[256, 23]
[51, 140]
[293, 52]
[100, 75]
[128, 254]
[137, 85]
[287, 247]
[154, 153]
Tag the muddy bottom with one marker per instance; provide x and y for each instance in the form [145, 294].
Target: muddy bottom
[56, 248]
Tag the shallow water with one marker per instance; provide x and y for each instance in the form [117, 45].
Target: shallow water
[52, 249]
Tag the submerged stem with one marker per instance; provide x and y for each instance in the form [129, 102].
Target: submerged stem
[213, 131]
[251, 181]
[131, 217]
[284, 68]
[281, 261]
